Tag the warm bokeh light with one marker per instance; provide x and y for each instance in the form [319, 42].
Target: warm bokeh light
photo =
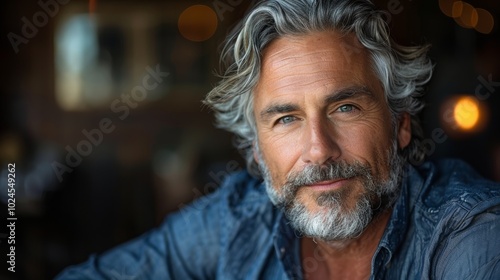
[467, 16]
[457, 9]
[198, 23]
[463, 115]
[464, 14]
[485, 21]
[466, 113]
[446, 6]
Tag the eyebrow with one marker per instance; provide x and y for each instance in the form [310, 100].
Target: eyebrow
[349, 92]
[275, 109]
[337, 96]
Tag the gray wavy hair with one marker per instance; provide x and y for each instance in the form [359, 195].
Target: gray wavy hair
[403, 71]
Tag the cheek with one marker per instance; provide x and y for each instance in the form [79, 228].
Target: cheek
[368, 142]
[279, 154]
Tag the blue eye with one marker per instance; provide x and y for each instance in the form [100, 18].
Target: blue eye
[286, 119]
[346, 108]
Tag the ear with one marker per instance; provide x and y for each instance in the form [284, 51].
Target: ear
[404, 130]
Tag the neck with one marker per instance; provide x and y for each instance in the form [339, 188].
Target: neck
[352, 255]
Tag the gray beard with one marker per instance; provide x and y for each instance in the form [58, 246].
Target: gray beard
[333, 222]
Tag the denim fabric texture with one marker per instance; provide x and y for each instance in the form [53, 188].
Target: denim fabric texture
[445, 225]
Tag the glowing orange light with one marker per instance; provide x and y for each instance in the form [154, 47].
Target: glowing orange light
[465, 14]
[197, 23]
[466, 113]
[446, 6]
[456, 9]
[485, 21]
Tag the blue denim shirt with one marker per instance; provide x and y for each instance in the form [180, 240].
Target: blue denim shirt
[445, 225]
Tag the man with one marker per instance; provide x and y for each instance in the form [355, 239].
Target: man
[325, 106]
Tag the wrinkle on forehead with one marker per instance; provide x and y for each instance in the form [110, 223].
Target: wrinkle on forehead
[288, 61]
[286, 48]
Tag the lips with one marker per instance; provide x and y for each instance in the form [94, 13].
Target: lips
[328, 185]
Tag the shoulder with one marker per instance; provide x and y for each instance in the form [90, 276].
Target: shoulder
[244, 200]
[238, 196]
[191, 243]
[241, 193]
[453, 183]
[242, 188]
[458, 213]
[238, 218]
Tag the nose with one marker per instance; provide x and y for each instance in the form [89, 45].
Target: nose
[319, 142]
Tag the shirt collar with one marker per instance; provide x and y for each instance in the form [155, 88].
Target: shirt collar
[287, 247]
[398, 223]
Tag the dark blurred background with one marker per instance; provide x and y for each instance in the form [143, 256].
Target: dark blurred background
[105, 142]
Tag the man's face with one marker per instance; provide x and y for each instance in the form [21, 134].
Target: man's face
[326, 138]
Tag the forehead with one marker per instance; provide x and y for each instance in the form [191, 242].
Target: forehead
[325, 58]
[345, 45]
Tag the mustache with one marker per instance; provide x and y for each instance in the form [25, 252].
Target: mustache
[330, 171]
